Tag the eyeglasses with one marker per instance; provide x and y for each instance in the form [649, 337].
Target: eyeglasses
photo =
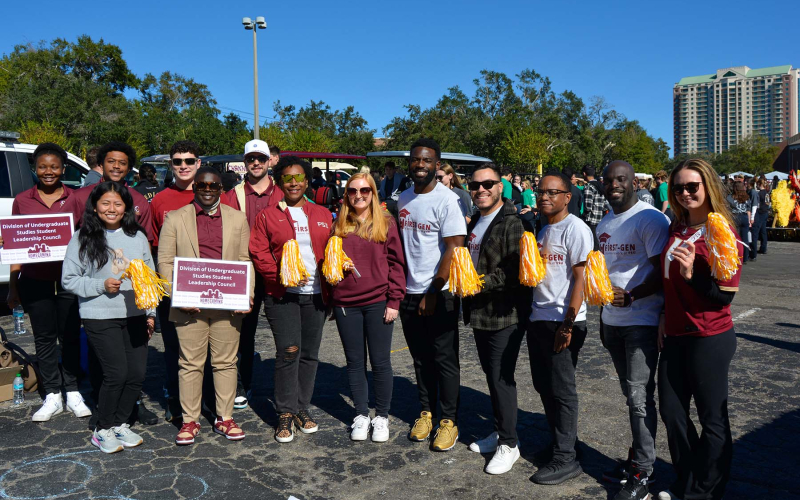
[259, 158]
[207, 186]
[287, 178]
[363, 191]
[550, 193]
[178, 161]
[487, 185]
[690, 187]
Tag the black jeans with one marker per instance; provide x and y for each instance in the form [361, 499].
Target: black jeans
[697, 367]
[743, 228]
[54, 320]
[247, 338]
[433, 343]
[169, 334]
[121, 349]
[634, 351]
[759, 232]
[554, 379]
[498, 352]
[362, 329]
[296, 322]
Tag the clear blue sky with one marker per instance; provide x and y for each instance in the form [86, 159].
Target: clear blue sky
[379, 56]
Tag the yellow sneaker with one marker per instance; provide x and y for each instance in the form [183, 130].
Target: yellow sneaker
[446, 436]
[422, 427]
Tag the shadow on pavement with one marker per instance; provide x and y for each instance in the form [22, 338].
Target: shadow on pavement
[780, 344]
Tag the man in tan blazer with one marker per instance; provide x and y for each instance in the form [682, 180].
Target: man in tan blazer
[206, 229]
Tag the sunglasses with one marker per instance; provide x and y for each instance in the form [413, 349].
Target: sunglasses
[550, 193]
[690, 187]
[259, 158]
[487, 185]
[363, 191]
[287, 178]
[178, 161]
[207, 186]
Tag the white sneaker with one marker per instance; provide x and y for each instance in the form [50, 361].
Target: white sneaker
[503, 459]
[667, 495]
[76, 405]
[126, 436]
[485, 445]
[52, 406]
[380, 429]
[360, 428]
[106, 441]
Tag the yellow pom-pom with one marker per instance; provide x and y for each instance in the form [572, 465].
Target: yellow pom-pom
[596, 283]
[335, 259]
[148, 286]
[531, 265]
[723, 256]
[293, 269]
[464, 280]
[782, 203]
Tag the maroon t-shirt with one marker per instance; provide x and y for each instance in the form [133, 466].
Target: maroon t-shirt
[166, 201]
[685, 311]
[209, 233]
[29, 202]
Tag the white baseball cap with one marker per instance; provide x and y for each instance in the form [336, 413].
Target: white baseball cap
[256, 146]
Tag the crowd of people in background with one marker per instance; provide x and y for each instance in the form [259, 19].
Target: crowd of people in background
[668, 328]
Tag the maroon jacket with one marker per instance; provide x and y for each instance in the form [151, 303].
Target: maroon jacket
[382, 269]
[274, 227]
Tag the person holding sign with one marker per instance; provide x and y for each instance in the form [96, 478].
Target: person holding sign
[296, 314]
[205, 229]
[52, 309]
[366, 305]
[118, 331]
[696, 337]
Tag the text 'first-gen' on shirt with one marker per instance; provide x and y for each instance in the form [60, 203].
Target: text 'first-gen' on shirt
[628, 241]
[688, 312]
[563, 245]
[425, 221]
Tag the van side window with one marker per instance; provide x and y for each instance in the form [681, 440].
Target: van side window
[5, 180]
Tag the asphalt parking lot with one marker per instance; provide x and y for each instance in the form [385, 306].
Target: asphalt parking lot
[54, 460]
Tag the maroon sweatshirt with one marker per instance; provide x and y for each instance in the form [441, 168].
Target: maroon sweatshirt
[382, 269]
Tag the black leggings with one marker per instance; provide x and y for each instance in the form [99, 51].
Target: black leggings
[697, 367]
[362, 329]
[121, 348]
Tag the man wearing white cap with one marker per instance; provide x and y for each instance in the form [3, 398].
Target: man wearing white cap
[251, 197]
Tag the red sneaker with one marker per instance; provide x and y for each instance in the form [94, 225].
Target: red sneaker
[229, 429]
[189, 430]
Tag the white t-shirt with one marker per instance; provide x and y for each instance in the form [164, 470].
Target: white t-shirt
[306, 251]
[628, 241]
[425, 221]
[563, 245]
[476, 236]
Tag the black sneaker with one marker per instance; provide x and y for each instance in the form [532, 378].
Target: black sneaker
[636, 488]
[556, 472]
[144, 415]
[620, 473]
[240, 401]
[174, 411]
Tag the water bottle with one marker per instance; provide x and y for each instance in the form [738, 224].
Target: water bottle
[19, 320]
[19, 390]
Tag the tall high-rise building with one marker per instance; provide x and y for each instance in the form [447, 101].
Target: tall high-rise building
[714, 112]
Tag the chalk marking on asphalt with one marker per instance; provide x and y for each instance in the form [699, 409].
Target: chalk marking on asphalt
[747, 313]
[398, 350]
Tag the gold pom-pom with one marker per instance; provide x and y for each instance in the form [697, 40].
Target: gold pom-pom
[531, 265]
[782, 203]
[723, 256]
[464, 280]
[335, 259]
[293, 269]
[148, 286]
[596, 283]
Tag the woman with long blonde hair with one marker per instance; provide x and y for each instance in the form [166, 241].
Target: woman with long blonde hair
[696, 338]
[366, 301]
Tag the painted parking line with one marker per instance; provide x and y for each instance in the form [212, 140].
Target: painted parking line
[747, 313]
[398, 350]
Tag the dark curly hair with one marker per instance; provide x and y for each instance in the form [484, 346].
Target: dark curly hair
[425, 142]
[286, 162]
[92, 236]
[49, 148]
[116, 146]
[184, 147]
[565, 179]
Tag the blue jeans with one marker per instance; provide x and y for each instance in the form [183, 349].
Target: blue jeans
[634, 352]
[759, 232]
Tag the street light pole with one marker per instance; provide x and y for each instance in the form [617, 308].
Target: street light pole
[249, 24]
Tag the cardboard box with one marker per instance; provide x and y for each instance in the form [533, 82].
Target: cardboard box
[7, 382]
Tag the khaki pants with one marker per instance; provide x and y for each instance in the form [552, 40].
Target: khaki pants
[220, 331]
